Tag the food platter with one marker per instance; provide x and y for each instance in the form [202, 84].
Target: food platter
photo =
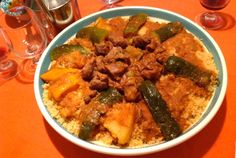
[71, 30]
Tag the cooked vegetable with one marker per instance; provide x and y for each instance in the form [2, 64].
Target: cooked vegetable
[105, 98]
[120, 121]
[181, 67]
[86, 129]
[134, 24]
[101, 23]
[157, 106]
[55, 73]
[134, 53]
[109, 96]
[95, 34]
[65, 49]
[64, 84]
[168, 30]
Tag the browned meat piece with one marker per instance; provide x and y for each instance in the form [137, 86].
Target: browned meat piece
[87, 70]
[116, 54]
[152, 45]
[152, 71]
[131, 93]
[115, 84]
[117, 68]
[119, 41]
[162, 56]
[99, 81]
[149, 67]
[130, 83]
[103, 48]
[141, 41]
[89, 96]
[100, 64]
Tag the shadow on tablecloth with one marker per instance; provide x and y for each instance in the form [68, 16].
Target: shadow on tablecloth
[230, 21]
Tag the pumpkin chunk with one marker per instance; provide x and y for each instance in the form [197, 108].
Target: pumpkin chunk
[55, 73]
[120, 121]
[63, 85]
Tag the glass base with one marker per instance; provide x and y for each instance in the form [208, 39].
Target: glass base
[8, 69]
[109, 6]
[211, 20]
[27, 70]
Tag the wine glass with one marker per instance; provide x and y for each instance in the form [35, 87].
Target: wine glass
[212, 19]
[27, 37]
[110, 4]
[47, 25]
[8, 67]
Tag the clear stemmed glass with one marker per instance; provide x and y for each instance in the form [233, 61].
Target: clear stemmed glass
[212, 19]
[27, 37]
[110, 4]
[8, 67]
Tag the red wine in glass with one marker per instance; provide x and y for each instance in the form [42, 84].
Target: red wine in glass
[212, 19]
[214, 4]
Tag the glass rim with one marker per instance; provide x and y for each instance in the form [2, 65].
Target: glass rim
[29, 10]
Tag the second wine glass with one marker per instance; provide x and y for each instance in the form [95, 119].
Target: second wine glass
[8, 66]
[110, 4]
[27, 37]
[212, 19]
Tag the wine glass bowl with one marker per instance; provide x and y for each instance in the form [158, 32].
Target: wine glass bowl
[212, 19]
[214, 4]
[27, 37]
[8, 67]
[24, 28]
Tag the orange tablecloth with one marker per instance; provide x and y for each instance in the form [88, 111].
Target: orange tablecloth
[25, 134]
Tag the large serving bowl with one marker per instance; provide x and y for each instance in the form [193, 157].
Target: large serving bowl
[209, 113]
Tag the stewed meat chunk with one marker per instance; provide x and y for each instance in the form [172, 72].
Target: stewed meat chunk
[117, 68]
[141, 41]
[116, 54]
[87, 70]
[103, 48]
[149, 67]
[130, 83]
[100, 65]
[99, 81]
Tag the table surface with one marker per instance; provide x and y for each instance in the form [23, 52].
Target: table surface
[24, 133]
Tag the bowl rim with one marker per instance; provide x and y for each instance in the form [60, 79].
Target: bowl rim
[130, 151]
